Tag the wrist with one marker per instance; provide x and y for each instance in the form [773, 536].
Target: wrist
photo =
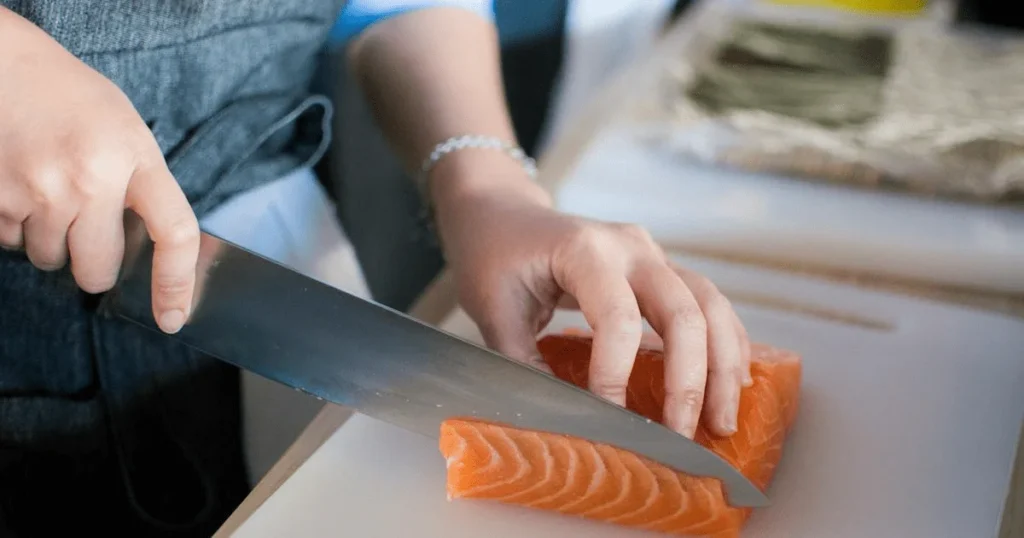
[473, 189]
[472, 175]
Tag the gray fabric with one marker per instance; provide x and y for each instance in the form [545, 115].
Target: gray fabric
[104, 426]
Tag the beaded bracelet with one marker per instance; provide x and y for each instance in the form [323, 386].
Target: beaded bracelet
[457, 143]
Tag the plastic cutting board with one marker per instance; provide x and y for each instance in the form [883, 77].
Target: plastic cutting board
[908, 427]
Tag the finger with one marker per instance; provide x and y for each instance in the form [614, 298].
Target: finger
[744, 338]
[11, 235]
[725, 353]
[96, 245]
[46, 237]
[707, 293]
[13, 206]
[674, 313]
[649, 340]
[610, 308]
[156, 197]
[510, 325]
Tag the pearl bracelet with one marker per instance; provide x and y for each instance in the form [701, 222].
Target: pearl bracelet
[457, 143]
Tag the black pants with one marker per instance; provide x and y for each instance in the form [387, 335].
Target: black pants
[107, 428]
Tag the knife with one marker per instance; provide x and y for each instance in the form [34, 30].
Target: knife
[263, 317]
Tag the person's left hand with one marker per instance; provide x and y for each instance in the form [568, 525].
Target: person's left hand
[515, 259]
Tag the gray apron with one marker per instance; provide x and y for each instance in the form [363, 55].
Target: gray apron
[104, 426]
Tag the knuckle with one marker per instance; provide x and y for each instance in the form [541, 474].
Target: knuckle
[701, 282]
[728, 372]
[687, 318]
[172, 286]
[183, 232]
[138, 133]
[717, 305]
[621, 320]
[588, 239]
[688, 396]
[93, 173]
[146, 153]
[635, 232]
[48, 186]
[589, 246]
[608, 386]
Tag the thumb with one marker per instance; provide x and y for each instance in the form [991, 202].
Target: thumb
[510, 327]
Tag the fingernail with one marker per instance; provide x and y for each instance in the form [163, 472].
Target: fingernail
[538, 362]
[617, 397]
[689, 428]
[747, 379]
[172, 321]
[729, 420]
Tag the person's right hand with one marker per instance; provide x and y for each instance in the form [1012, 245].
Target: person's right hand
[74, 154]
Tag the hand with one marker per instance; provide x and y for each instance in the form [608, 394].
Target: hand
[516, 259]
[73, 155]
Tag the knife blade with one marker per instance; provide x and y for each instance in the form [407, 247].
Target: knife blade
[264, 317]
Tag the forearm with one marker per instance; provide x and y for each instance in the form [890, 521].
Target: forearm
[432, 74]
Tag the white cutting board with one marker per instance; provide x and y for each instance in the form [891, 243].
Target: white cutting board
[908, 433]
[688, 205]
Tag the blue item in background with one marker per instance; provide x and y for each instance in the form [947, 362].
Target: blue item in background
[359, 15]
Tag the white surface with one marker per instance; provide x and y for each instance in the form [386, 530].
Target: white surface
[692, 206]
[905, 433]
[601, 39]
[292, 222]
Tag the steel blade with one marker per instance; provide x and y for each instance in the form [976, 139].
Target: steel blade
[266, 318]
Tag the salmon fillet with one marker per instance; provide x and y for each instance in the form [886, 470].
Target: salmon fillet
[573, 476]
